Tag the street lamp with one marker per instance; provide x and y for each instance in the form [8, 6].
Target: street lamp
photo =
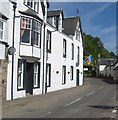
[12, 50]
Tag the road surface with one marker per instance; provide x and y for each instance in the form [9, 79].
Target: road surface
[96, 99]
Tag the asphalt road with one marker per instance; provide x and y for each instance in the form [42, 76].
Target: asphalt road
[96, 99]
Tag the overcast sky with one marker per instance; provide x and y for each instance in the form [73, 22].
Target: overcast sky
[97, 18]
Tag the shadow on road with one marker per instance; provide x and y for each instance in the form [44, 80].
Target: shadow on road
[105, 107]
[110, 81]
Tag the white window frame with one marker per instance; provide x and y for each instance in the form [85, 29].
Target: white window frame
[48, 41]
[30, 29]
[54, 21]
[3, 21]
[64, 48]
[71, 72]
[20, 72]
[77, 34]
[63, 74]
[38, 31]
[48, 74]
[78, 54]
[35, 81]
[36, 8]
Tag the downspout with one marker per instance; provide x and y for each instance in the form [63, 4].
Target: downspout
[43, 59]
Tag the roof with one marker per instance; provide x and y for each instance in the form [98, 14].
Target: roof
[31, 13]
[53, 13]
[69, 25]
[107, 61]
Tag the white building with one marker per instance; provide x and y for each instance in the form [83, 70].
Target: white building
[106, 67]
[48, 57]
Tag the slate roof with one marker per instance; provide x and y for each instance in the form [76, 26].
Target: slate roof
[69, 25]
[54, 13]
[107, 61]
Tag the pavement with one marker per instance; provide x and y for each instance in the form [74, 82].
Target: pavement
[95, 99]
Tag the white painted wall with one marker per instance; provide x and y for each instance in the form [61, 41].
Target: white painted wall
[56, 60]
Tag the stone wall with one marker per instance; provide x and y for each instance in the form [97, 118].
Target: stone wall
[3, 78]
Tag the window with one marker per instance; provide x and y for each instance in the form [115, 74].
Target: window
[20, 75]
[33, 4]
[72, 51]
[64, 75]
[64, 48]
[1, 30]
[55, 21]
[48, 41]
[78, 55]
[36, 80]
[37, 28]
[77, 35]
[71, 73]
[48, 75]
[30, 34]
[26, 30]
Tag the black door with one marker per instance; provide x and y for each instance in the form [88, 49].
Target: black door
[29, 77]
[77, 77]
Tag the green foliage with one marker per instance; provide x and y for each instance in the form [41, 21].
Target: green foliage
[93, 46]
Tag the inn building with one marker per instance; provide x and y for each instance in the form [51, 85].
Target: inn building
[49, 50]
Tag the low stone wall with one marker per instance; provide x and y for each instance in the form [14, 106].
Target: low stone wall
[3, 78]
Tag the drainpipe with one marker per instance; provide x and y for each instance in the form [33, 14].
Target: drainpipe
[43, 76]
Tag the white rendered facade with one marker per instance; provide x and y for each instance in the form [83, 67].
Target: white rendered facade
[37, 71]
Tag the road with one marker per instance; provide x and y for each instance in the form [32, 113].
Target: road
[96, 99]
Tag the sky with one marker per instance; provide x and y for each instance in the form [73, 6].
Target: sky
[97, 19]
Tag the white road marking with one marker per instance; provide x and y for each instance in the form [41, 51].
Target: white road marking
[45, 114]
[90, 93]
[100, 88]
[114, 111]
[73, 102]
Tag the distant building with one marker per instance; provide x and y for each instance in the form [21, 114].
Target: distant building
[106, 66]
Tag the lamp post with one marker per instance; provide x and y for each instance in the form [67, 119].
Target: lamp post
[12, 49]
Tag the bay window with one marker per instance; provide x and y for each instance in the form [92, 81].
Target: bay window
[26, 25]
[30, 31]
[37, 27]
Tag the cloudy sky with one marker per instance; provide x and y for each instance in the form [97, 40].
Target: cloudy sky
[97, 18]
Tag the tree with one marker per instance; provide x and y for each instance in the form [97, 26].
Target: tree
[93, 46]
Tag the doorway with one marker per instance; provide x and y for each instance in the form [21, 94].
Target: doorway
[29, 78]
[77, 78]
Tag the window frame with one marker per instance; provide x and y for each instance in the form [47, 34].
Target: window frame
[72, 45]
[3, 30]
[21, 87]
[49, 41]
[35, 73]
[32, 32]
[78, 54]
[63, 74]
[33, 7]
[64, 48]
[77, 34]
[30, 37]
[48, 74]
[71, 72]
[38, 32]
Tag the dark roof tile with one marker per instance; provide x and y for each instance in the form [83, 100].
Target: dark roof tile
[69, 25]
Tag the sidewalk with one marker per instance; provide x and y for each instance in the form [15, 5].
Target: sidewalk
[32, 98]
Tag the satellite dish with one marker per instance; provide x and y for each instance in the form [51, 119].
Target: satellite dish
[11, 50]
